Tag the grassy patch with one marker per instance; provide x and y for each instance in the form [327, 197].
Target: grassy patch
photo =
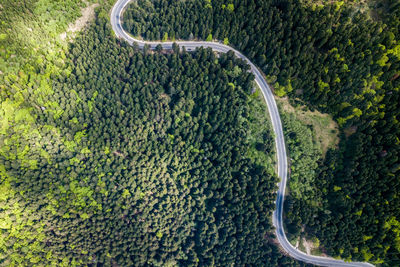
[324, 127]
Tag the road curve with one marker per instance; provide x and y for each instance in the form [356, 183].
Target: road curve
[116, 15]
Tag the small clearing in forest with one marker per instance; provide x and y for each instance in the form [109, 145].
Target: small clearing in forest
[80, 23]
[325, 128]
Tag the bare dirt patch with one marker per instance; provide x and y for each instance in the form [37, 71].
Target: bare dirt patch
[80, 23]
[307, 245]
[312, 248]
[325, 128]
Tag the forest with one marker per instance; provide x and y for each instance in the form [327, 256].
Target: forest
[112, 156]
[336, 58]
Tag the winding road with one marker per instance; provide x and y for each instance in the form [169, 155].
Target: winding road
[116, 15]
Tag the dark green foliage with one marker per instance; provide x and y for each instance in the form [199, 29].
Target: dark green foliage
[339, 61]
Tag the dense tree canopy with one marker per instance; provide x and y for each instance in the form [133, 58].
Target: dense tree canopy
[113, 156]
[337, 60]
[137, 159]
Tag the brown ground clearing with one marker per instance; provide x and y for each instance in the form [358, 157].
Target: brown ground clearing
[80, 23]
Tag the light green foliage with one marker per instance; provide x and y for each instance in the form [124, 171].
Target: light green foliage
[260, 133]
[336, 188]
[159, 235]
[85, 151]
[84, 216]
[31, 54]
[394, 226]
[357, 112]
[23, 115]
[80, 194]
[7, 110]
[395, 51]
[304, 155]
[90, 105]
[289, 87]
[70, 145]
[383, 60]
[366, 254]
[322, 85]
[79, 135]
[209, 38]
[226, 41]
[316, 242]
[359, 213]
[279, 90]
[92, 101]
[126, 193]
[365, 237]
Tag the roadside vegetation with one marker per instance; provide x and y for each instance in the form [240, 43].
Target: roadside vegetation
[261, 135]
[338, 58]
[305, 155]
[308, 136]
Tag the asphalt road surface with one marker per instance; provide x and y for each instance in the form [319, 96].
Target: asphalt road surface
[116, 16]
